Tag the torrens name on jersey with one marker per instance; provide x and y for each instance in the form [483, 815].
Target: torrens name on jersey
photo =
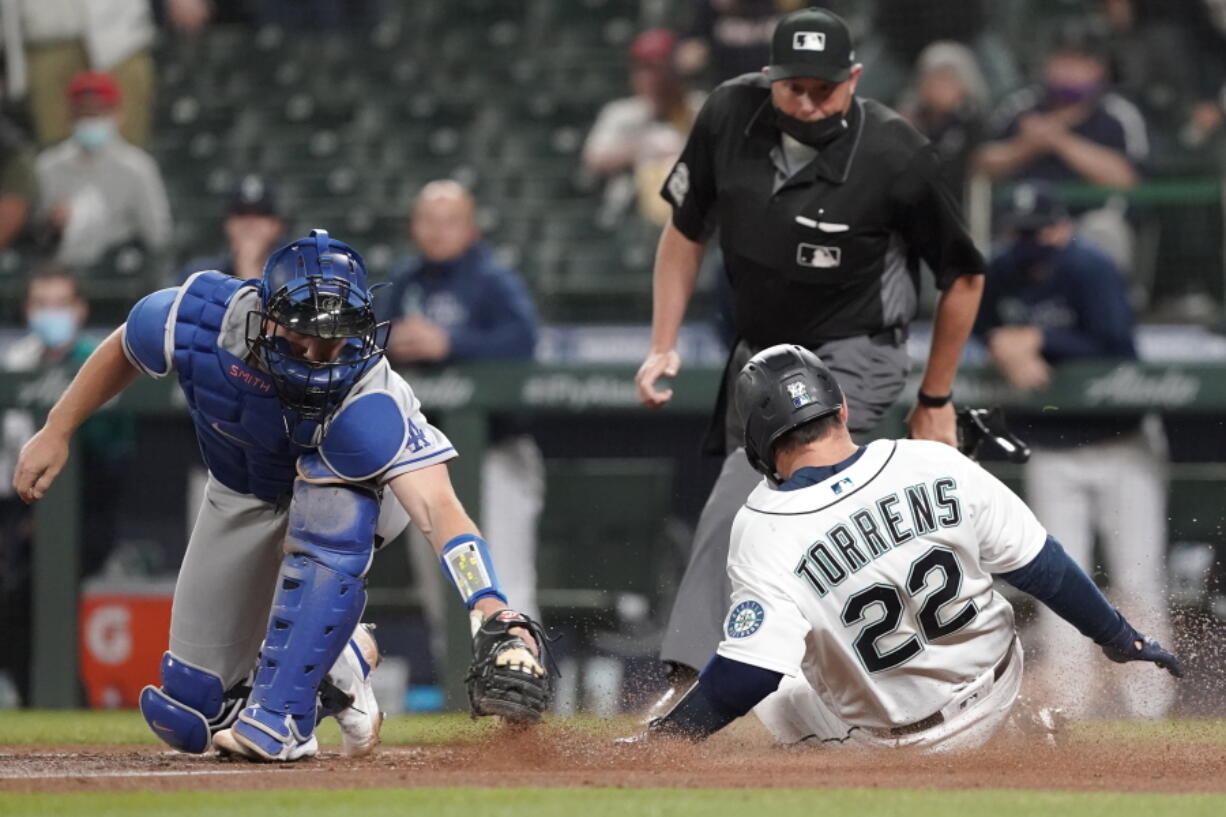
[890, 522]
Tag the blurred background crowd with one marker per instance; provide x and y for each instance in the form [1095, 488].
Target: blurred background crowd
[499, 162]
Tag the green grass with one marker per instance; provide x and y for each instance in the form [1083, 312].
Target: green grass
[601, 802]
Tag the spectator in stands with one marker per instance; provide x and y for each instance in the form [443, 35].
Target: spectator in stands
[636, 140]
[1052, 298]
[254, 227]
[948, 103]
[18, 188]
[1072, 128]
[1170, 58]
[900, 30]
[96, 191]
[727, 38]
[455, 303]
[55, 313]
[49, 41]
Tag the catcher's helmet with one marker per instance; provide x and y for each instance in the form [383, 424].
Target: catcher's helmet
[780, 388]
[315, 286]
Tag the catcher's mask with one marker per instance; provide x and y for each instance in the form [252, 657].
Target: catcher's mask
[314, 287]
[780, 388]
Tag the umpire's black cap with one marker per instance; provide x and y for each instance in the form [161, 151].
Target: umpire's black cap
[780, 388]
[812, 43]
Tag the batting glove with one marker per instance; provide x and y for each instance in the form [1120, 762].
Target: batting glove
[1132, 646]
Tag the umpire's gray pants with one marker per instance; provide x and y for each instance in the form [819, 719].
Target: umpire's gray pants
[871, 374]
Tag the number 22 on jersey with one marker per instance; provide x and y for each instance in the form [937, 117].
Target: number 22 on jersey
[891, 602]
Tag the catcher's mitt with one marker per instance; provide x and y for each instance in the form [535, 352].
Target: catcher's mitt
[505, 678]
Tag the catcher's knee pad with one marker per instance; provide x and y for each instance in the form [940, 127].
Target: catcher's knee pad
[189, 707]
[314, 612]
[334, 524]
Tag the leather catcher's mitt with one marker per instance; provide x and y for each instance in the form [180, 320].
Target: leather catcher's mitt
[505, 678]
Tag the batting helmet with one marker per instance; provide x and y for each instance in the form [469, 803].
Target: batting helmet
[315, 286]
[779, 389]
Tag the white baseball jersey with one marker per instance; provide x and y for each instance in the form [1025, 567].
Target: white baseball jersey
[876, 583]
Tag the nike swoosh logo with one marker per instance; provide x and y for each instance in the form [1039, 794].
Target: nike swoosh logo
[831, 227]
[217, 427]
[162, 728]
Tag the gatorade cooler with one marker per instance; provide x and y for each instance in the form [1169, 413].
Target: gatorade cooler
[123, 628]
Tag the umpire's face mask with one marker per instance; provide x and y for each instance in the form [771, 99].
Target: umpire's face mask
[817, 133]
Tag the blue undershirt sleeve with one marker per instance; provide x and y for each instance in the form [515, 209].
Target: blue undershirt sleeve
[726, 690]
[1055, 579]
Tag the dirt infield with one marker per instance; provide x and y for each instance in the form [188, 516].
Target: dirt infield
[560, 756]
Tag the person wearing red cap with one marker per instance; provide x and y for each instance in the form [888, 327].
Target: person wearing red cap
[636, 139]
[48, 41]
[97, 191]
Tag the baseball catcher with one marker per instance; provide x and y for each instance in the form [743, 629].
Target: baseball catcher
[317, 454]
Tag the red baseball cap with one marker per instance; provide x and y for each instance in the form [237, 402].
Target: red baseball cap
[653, 46]
[95, 82]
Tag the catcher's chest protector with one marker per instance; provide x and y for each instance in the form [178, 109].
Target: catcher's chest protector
[235, 410]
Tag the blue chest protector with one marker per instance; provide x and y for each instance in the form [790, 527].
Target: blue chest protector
[237, 415]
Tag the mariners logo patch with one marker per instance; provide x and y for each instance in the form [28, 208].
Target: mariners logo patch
[745, 619]
[818, 257]
[799, 393]
[809, 41]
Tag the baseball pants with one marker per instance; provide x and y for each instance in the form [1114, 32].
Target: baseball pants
[225, 586]
[795, 713]
[1116, 489]
[871, 375]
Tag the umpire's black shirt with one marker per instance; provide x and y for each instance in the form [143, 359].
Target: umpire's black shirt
[834, 251]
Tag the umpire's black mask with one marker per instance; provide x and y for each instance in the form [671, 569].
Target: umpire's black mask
[817, 133]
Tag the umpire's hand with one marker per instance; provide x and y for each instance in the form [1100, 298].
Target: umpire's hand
[940, 424]
[657, 365]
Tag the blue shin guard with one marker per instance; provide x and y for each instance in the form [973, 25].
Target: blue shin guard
[188, 707]
[318, 603]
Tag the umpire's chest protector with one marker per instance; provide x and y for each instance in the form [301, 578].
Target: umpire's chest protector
[235, 409]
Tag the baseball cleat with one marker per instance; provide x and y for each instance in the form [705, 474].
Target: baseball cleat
[264, 736]
[348, 695]
[681, 679]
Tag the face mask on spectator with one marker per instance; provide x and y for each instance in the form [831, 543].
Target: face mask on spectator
[94, 132]
[55, 326]
[1029, 253]
[1061, 94]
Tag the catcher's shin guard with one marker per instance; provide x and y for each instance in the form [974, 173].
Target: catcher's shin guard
[189, 706]
[320, 597]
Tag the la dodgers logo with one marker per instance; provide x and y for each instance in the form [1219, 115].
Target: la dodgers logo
[745, 619]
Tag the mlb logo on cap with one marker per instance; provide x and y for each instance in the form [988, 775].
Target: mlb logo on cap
[809, 41]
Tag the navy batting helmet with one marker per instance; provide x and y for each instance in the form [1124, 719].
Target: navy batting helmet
[779, 389]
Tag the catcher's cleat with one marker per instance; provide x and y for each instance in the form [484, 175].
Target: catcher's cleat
[681, 678]
[264, 736]
[347, 693]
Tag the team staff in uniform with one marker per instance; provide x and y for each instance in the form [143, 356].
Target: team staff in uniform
[862, 609]
[826, 203]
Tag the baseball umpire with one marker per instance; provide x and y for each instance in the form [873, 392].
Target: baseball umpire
[315, 449]
[863, 611]
[826, 204]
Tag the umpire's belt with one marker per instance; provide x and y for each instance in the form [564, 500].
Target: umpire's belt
[938, 718]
